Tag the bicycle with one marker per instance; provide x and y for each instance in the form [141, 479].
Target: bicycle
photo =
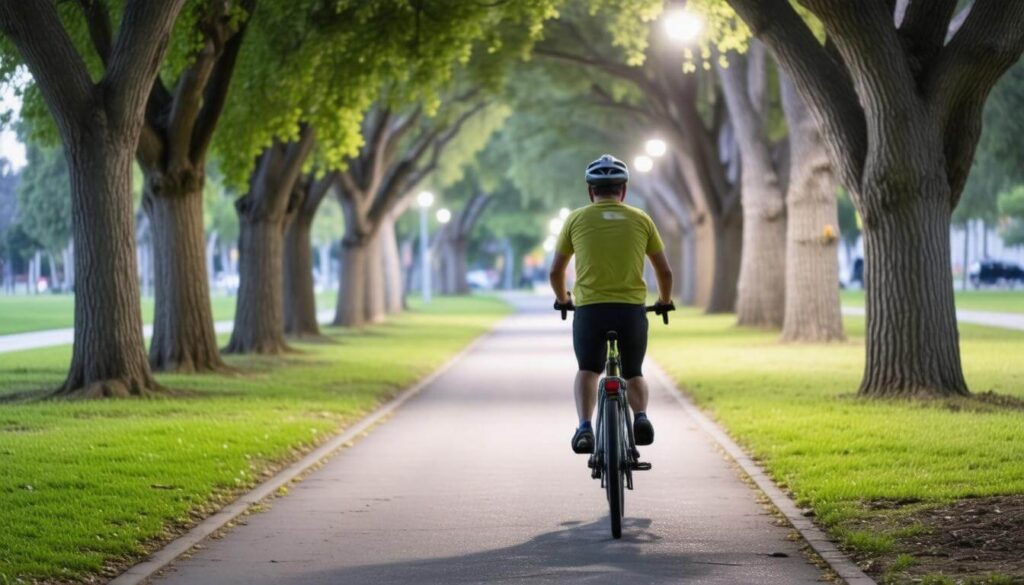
[615, 456]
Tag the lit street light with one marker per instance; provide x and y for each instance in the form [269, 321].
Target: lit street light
[655, 147]
[683, 26]
[563, 213]
[425, 199]
[443, 216]
[643, 163]
[549, 244]
[555, 226]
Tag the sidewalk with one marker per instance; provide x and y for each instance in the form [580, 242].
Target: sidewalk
[50, 337]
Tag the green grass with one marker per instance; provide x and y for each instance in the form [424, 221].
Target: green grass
[999, 301]
[794, 408]
[23, 313]
[87, 485]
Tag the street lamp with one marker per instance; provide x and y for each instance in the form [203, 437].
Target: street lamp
[425, 199]
[655, 147]
[643, 163]
[443, 216]
[555, 226]
[682, 26]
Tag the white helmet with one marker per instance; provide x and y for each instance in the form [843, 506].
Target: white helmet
[607, 170]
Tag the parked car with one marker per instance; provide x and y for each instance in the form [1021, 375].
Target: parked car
[995, 273]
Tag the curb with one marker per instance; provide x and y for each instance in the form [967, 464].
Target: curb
[846, 569]
[159, 559]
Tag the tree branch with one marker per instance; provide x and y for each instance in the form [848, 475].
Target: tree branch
[97, 20]
[136, 56]
[57, 68]
[216, 93]
[822, 82]
[988, 43]
[923, 30]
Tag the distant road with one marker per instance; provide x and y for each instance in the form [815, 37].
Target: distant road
[1003, 320]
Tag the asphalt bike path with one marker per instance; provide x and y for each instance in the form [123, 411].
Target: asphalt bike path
[473, 481]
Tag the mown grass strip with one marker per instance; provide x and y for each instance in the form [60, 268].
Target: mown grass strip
[88, 485]
[794, 408]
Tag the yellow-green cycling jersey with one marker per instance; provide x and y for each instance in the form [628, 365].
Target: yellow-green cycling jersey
[610, 240]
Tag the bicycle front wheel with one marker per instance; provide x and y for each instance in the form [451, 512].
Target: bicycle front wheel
[614, 471]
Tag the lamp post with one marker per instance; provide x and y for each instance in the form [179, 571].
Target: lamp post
[682, 26]
[425, 199]
[643, 163]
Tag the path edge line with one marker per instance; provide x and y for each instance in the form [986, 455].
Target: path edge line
[845, 568]
[167, 554]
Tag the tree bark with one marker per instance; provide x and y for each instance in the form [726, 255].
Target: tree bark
[813, 312]
[183, 336]
[913, 342]
[374, 301]
[392, 266]
[108, 357]
[263, 213]
[761, 292]
[351, 306]
[299, 295]
[259, 316]
[725, 246]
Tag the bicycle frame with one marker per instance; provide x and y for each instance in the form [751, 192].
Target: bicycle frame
[616, 399]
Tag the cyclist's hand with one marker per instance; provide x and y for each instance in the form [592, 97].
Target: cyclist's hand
[564, 307]
[663, 309]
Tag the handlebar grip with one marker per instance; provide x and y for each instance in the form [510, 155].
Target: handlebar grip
[664, 317]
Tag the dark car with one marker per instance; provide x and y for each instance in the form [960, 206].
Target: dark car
[995, 273]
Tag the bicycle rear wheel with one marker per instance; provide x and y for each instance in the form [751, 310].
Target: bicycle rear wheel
[614, 462]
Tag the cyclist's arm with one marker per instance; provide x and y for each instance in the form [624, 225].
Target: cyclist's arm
[557, 276]
[664, 275]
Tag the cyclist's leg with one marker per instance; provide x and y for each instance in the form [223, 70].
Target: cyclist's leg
[633, 346]
[589, 345]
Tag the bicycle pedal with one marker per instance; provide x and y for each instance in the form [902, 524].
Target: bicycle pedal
[641, 466]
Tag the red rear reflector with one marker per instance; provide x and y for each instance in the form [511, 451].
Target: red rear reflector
[611, 386]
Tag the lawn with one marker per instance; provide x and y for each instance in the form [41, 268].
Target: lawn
[999, 301]
[23, 313]
[793, 407]
[87, 486]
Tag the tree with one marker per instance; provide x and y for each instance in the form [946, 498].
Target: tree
[99, 124]
[900, 111]
[688, 109]
[299, 296]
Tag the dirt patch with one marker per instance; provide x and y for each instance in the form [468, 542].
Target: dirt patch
[974, 540]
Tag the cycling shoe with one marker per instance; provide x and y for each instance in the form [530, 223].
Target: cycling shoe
[583, 440]
[643, 430]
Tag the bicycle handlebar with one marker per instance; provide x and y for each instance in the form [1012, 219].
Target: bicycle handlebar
[658, 309]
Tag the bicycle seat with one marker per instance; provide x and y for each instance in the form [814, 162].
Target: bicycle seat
[612, 336]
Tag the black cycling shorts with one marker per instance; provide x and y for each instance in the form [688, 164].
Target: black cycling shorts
[590, 325]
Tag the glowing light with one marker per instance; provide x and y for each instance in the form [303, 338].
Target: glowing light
[683, 26]
[643, 163]
[563, 213]
[555, 226]
[425, 199]
[655, 147]
[549, 244]
[443, 215]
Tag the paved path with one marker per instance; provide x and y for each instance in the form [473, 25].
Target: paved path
[1003, 320]
[473, 481]
[50, 337]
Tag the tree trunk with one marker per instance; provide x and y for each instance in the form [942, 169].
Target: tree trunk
[299, 297]
[183, 336]
[259, 317]
[813, 311]
[69, 266]
[725, 250]
[912, 338]
[109, 356]
[374, 299]
[351, 306]
[392, 266]
[688, 269]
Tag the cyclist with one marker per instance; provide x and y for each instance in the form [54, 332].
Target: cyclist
[610, 240]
